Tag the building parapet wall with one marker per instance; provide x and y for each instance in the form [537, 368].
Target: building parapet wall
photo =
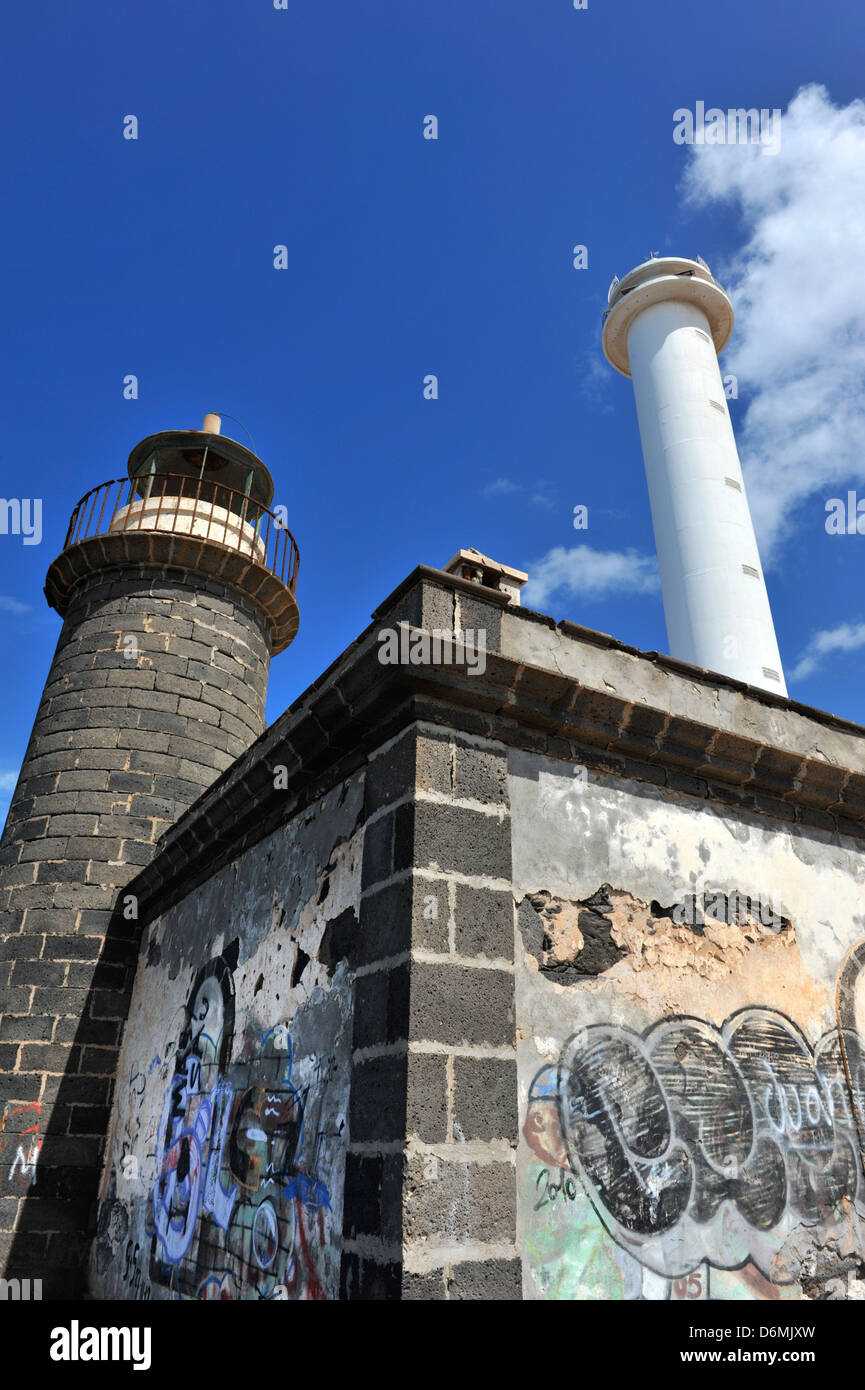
[583, 696]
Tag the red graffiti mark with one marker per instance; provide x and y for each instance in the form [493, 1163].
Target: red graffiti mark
[34, 1105]
[171, 1159]
[543, 1133]
[18, 1151]
[761, 1286]
[314, 1289]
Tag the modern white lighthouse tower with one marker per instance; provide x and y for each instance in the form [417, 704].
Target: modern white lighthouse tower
[666, 323]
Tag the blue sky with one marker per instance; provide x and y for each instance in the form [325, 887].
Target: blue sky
[407, 256]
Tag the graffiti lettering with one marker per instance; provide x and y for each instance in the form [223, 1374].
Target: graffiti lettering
[702, 1144]
[551, 1190]
[229, 1201]
[20, 1142]
[132, 1271]
[691, 1287]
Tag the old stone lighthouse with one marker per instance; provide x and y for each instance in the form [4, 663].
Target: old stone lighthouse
[175, 584]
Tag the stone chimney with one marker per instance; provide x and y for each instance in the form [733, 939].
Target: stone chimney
[480, 569]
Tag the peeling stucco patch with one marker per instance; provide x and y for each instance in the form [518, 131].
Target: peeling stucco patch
[569, 940]
[702, 935]
[829, 1260]
[270, 887]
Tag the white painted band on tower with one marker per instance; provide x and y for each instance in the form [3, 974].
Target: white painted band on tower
[667, 321]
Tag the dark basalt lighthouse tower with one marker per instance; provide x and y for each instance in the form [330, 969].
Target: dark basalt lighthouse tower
[176, 584]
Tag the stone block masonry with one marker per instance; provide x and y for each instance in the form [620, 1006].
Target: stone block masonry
[430, 1200]
[157, 685]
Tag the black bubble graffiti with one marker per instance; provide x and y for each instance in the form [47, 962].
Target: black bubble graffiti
[687, 1123]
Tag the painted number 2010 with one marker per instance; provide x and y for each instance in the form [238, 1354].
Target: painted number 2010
[551, 1190]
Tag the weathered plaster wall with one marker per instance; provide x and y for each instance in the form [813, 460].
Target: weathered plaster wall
[225, 1168]
[689, 1101]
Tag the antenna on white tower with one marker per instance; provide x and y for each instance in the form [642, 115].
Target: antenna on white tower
[666, 323]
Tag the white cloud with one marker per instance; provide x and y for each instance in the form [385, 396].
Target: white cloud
[846, 638]
[798, 289]
[596, 378]
[11, 605]
[588, 573]
[542, 499]
[501, 485]
[8, 781]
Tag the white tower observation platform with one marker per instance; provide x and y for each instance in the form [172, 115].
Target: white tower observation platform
[666, 323]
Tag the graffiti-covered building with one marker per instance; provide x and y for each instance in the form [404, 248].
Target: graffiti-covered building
[510, 962]
[538, 982]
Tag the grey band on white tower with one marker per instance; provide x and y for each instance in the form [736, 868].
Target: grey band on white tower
[667, 320]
